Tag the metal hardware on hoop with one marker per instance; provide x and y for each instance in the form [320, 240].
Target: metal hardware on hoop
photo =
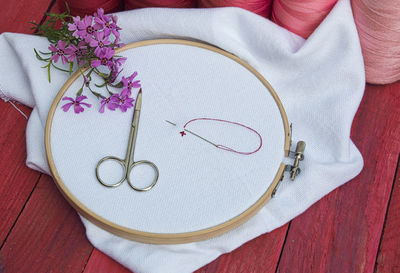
[297, 155]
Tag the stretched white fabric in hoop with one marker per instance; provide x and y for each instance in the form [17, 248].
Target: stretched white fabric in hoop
[320, 82]
[199, 185]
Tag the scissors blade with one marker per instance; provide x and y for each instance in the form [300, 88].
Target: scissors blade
[138, 104]
[134, 129]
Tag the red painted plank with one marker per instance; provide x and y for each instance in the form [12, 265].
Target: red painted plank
[341, 232]
[101, 263]
[389, 252]
[15, 15]
[17, 181]
[260, 255]
[48, 236]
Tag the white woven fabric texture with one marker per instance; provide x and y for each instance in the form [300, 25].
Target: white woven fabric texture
[199, 185]
[320, 82]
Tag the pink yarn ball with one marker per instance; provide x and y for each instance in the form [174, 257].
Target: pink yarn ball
[262, 7]
[301, 16]
[378, 25]
[135, 4]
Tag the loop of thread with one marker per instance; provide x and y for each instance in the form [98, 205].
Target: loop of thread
[7, 99]
[223, 147]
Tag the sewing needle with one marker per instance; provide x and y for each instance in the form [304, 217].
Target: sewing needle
[193, 133]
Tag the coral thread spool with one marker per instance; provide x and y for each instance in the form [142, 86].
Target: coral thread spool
[378, 25]
[82, 8]
[301, 16]
[262, 7]
[137, 4]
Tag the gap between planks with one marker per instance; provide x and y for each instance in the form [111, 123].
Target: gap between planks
[38, 178]
[383, 241]
[20, 212]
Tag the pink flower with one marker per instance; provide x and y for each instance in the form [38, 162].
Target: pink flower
[70, 50]
[76, 103]
[109, 24]
[129, 83]
[99, 42]
[58, 52]
[111, 102]
[85, 28]
[125, 101]
[81, 52]
[99, 14]
[118, 62]
[117, 43]
[74, 26]
[105, 58]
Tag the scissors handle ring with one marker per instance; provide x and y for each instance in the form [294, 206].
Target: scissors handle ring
[120, 161]
[146, 162]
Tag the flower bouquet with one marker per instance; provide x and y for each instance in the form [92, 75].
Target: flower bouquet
[88, 44]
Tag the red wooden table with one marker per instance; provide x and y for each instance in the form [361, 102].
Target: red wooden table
[353, 229]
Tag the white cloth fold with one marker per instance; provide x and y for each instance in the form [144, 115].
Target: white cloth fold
[320, 82]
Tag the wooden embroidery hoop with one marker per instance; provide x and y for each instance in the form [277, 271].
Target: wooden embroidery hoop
[167, 238]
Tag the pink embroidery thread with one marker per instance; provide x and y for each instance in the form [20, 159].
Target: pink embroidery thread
[222, 147]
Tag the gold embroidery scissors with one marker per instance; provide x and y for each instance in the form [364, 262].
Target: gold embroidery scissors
[128, 163]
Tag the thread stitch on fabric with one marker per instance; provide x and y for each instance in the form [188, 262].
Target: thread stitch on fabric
[9, 100]
[223, 147]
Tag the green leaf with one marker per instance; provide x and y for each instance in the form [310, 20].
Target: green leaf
[118, 85]
[48, 71]
[71, 65]
[59, 68]
[100, 85]
[104, 76]
[67, 6]
[45, 53]
[98, 95]
[79, 92]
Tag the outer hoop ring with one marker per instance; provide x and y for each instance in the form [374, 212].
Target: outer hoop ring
[167, 238]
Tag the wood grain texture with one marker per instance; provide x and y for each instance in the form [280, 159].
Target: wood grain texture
[341, 233]
[16, 180]
[48, 236]
[389, 251]
[15, 15]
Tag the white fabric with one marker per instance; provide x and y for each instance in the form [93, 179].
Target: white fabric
[199, 185]
[320, 82]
